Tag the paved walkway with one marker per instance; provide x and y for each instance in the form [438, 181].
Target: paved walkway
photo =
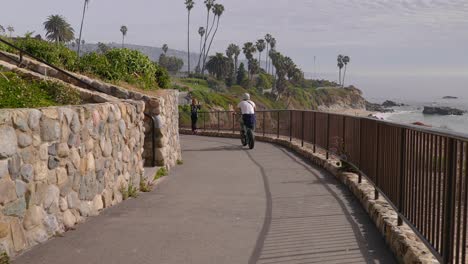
[227, 205]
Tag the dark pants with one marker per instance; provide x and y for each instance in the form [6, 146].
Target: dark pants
[194, 122]
[249, 121]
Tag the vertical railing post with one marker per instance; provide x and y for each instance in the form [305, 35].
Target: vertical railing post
[278, 125]
[344, 134]
[219, 125]
[376, 192]
[401, 192]
[204, 121]
[315, 130]
[233, 122]
[360, 150]
[302, 128]
[451, 168]
[328, 136]
[290, 125]
[264, 122]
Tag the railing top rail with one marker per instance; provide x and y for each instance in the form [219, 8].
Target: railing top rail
[430, 130]
[46, 63]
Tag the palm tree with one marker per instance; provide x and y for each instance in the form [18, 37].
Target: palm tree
[219, 66]
[272, 47]
[10, 29]
[218, 10]
[268, 40]
[201, 32]
[58, 29]
[189, 5]
[346, 60]
[124, 31]
[340, 66]
[165, 48]
[248, 49]
[260, 47]
[209, 4]
[86, 3]
[2, 30]
[233, 52]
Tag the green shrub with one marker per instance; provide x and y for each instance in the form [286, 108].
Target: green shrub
[61, 94]
[128, 192]
[216, 85]
[144, 186]
[180, 162]
[162, 77]
[264, 81]
[56, 54]
[16, 92]
[161, 173]
[4, 258]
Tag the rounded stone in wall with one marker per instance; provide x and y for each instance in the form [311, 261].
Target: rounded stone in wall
[8, 142]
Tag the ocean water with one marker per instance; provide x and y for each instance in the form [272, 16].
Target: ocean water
[413, 113]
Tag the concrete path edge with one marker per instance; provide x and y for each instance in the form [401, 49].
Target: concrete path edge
[402, 240]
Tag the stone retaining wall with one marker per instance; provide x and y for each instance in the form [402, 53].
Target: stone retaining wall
[59, 165]
[164, 105]
[402, 240]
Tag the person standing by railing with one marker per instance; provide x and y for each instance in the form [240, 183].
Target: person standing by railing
[194, 108]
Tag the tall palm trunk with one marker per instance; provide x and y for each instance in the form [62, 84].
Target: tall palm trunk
[123, 41]
[260, 60]
[235, 66]
[81, 28]
[188, 41]
[199, 59]
[206, 50]
[344, 75]
[266, 62]
[211, 42]
[339, 78]
[202, 54]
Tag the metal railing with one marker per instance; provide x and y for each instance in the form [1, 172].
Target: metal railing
[422, 172]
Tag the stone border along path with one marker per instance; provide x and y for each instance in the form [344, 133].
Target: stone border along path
[404, 243]
[228, 205]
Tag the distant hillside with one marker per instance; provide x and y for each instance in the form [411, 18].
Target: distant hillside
[152, 52]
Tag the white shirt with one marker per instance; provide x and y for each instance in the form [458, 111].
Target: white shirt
[247, 107]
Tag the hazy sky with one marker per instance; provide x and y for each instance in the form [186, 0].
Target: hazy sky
[414, 47]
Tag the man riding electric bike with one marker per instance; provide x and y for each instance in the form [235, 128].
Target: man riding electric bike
[248, 120]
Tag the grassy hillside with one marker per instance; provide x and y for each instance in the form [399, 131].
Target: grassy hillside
[299, 98]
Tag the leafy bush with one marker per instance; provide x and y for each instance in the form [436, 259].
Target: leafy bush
[171, 63]
[162, 172]
[162, 77]
[16, 92]
[264, 81]
[56, 54]
[125, 65]
[4, 259]
[216, 85]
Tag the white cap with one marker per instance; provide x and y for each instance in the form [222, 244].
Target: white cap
[246, 96]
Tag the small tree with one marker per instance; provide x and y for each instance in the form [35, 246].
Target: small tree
[123, 30]
[171, 63]
[241, 74]
[10, 30]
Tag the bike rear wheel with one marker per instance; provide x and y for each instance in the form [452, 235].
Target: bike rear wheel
[243, 139]
[251, 138]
